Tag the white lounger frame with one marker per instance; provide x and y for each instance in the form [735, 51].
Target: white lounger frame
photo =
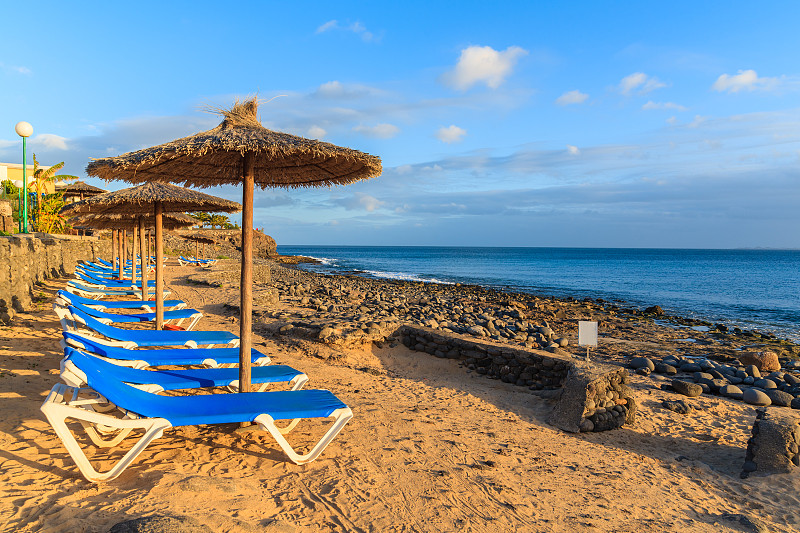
[60, 307]
[63, 402]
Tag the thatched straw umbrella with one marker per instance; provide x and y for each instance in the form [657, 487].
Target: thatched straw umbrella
[79, 190]
[152, 198]
[241, 150]
[117, 222]
[199, 238]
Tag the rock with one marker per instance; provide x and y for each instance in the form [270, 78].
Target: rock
[698, 376]
[586, 425]
[690, 367]
[642, 362]
[752, 370]
[765, 361]
[731, 391]
[654, 310]
[692, 390]
[749, 380]
[678, 406]
[161, 524]
[477, 331]
[795, 403]
[643, 371]
[783, 399]
[764, 383]
[756, 397]
[663, 368]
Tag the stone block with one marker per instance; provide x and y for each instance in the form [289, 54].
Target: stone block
[773, 446]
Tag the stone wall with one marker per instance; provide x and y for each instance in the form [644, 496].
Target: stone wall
[592, 396]
[774, 447]
[29, 259]
[6, 220]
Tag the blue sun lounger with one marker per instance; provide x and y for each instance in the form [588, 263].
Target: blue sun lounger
[135, 338]
[108, 282]
[80, 288]
[145, 305]
[153, 414]
[210, 357]
[116, 318]
[183, 378]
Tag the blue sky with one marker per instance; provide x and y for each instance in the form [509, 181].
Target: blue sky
[619, 124]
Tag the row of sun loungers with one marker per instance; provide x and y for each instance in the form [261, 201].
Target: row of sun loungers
[113, 380]
[196, 262]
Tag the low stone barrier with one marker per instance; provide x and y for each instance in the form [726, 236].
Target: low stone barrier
[594, 396]
[29, 259]
[774, 445]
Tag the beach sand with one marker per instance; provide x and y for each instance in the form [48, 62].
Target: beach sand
[431, 447]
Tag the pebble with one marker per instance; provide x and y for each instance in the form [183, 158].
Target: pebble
[731, 391]
[756, 397]
[752, 370]
[678, 406]
[783, 399]
[642, 362]
[795, 403]
[663, 368]
[764, 383]
[691, 390]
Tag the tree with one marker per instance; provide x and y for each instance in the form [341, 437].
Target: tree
[48, 216]
[204, 218]
[219, 220]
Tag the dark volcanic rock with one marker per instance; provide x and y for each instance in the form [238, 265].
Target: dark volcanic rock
[691, 390]
[161, 524]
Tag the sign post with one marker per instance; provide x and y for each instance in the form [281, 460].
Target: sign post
[587, 335]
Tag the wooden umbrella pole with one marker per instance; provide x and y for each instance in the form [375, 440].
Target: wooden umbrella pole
[204, 250]
[246, 286]
[119, 252]
[159, 211]
[142, 250]
[124, 250]
[113, 249]
[133, 255]
[197, 249]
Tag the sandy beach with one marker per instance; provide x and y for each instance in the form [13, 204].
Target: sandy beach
[432, 446]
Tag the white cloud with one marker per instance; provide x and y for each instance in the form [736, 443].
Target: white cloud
[16, 68]
[672, 120]
[356, 27]
[50, 140]
[483, 64]
[663, 105]
[573, 150]
[330, 25]
[337, 89]
[698, 119]
[360, 201]
[380, 131]
[572, 97]
[745, 80]
[450, 134]
[640, 83]
[316, 132]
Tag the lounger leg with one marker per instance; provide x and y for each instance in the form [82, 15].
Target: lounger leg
[57, 412]
[340, 416]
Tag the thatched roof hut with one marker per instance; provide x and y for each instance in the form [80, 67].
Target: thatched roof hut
[197, 237]
[78, 191]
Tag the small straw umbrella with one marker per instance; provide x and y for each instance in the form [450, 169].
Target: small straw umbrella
[79, 190]
[241, 150]
[153, 198]
[198, 238]
[170, 221]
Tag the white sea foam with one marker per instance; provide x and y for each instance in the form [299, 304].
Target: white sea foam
[404, 276]
[327, 261]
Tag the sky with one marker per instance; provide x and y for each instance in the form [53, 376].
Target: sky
[581, 124]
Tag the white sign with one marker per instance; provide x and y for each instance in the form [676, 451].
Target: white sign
[587, 333]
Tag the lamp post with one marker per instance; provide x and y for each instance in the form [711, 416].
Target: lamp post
[24, 130]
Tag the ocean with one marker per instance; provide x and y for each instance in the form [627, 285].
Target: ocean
[750, 289]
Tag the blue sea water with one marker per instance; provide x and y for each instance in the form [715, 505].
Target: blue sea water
[752, 289]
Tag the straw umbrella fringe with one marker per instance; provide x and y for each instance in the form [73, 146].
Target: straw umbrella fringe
[155, 198]
[241, 150]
